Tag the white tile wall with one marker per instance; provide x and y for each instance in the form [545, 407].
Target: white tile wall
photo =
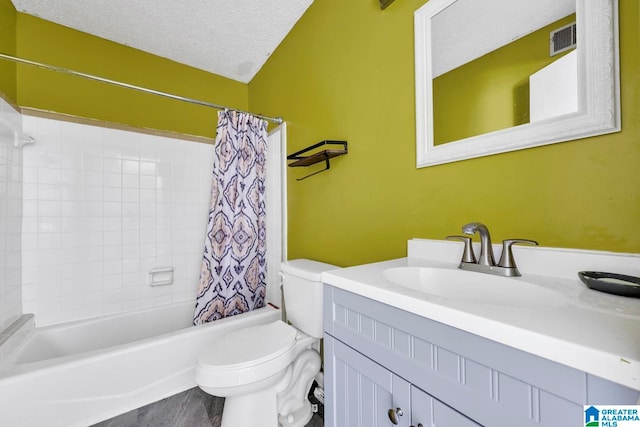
[10, 216]
[100, 208]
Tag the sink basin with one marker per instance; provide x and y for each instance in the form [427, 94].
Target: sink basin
[473, 287]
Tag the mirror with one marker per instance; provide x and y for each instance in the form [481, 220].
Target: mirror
[485, 70]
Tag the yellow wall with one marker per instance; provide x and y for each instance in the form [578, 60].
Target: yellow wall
[346, 72]
[54, 44]
[491, 92]
[8, 46]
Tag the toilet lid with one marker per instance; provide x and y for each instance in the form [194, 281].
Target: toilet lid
[249, 346]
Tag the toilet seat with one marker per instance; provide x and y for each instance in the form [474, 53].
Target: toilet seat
[247, 355]
[249, 346]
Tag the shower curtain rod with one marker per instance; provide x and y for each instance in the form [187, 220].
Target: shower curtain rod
[277, 120]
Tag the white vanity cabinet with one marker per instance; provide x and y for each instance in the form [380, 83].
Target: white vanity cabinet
[378, 357]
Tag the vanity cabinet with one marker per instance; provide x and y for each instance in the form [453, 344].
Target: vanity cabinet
[429, 411]
[378, 357]
[364, 392]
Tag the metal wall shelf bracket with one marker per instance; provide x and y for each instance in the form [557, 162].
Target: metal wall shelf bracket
[300, 159]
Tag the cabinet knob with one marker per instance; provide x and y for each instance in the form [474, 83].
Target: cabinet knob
[419, 425]
[394, 414]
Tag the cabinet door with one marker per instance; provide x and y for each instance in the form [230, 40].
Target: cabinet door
[359, 392]
[430, 412]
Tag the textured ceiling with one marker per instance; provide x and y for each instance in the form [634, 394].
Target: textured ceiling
[231, 38]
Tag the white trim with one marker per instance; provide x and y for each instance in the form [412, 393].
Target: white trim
[276, 215]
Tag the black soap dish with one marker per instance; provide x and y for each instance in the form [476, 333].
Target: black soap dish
[612, 283]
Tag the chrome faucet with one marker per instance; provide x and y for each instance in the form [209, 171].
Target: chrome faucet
[486, 250]
[486, 262]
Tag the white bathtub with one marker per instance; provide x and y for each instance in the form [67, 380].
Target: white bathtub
[83, 372]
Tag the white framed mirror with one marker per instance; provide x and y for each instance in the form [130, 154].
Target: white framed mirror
[452, 35]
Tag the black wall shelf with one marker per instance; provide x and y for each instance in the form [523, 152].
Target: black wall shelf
[301, 158]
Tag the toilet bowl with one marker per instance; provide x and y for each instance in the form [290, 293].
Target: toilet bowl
[265, 372]
[250, 367]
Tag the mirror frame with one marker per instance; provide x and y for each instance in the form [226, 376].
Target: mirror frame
[598, 91]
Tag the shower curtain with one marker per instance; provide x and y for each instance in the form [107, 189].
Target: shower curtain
[233, 269]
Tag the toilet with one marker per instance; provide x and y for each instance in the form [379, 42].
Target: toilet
[265, 372]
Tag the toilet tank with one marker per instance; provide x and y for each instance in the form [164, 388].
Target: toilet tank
[302, 288]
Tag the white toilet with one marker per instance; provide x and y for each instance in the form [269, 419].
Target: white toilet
[265, 372]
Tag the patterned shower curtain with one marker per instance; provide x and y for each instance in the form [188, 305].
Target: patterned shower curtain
[233, 269]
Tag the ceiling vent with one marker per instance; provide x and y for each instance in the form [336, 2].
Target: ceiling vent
[563, 39]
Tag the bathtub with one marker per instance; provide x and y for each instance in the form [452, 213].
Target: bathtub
[83, 372]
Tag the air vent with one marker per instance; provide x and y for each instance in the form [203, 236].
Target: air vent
[563, 39]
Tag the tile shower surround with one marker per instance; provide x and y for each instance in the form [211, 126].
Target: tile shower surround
[101, 206]
[10, 216]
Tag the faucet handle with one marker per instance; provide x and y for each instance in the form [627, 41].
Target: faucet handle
[467, 255]
[506, 258]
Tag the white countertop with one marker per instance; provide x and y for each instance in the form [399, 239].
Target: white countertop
[591, 331]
